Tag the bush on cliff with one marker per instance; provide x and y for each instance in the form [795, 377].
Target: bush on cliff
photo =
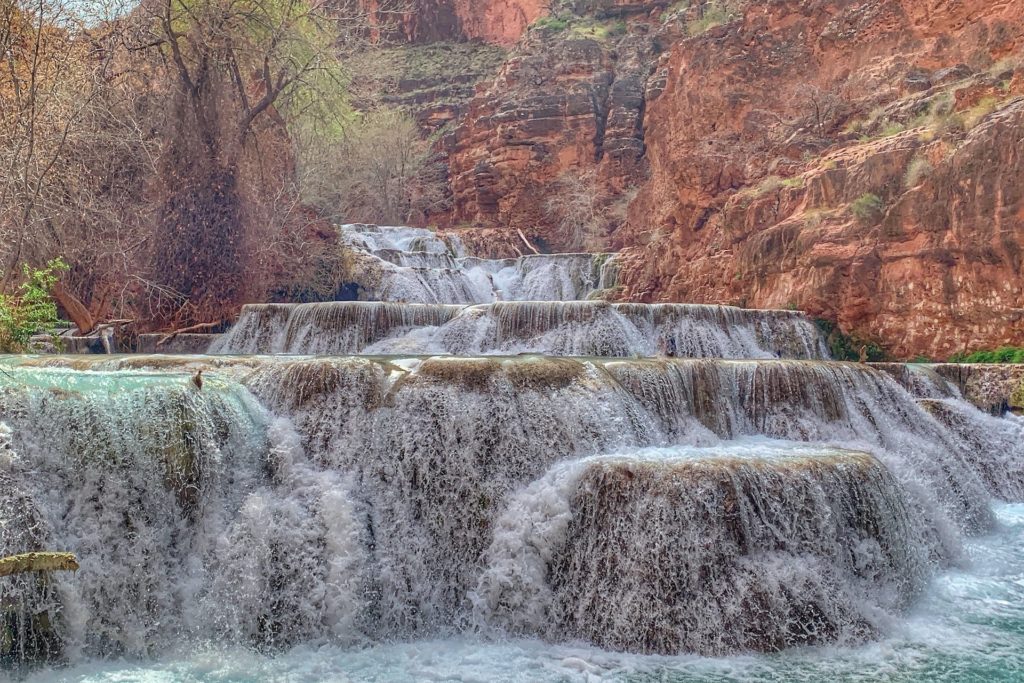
[1004, 354]
[868, 208]
[845, 347]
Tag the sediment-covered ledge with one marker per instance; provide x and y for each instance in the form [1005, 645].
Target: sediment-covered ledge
[38, 562]
[994, 388]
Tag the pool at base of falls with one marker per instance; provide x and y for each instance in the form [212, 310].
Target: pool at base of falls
[969, 627]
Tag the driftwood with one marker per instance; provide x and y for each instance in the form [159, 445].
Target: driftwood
[185, 330]
[527, 242]
[75, 309]
[38, 562]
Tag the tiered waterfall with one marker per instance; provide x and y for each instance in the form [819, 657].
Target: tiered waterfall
[651, 479]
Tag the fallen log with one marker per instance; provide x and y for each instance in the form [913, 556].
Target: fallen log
[185, 330]
[75, 309]
[527, 242]
[38, 562]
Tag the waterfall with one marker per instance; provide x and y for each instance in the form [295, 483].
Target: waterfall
[485, 448]
[713, 550]
[390, 497]
[191, 512]
[582, 328]
[414, 265]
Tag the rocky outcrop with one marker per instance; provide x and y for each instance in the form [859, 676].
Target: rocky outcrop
[861, 161]
[422, 21]
[992, 388]
[570, 98]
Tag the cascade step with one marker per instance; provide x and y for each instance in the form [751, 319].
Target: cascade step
[415, 265]
[577, 328]
[756, 547]
[295, 499]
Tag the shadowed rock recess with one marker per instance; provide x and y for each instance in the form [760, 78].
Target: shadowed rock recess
[636, 501]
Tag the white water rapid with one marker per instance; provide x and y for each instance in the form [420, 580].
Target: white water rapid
[413, 265]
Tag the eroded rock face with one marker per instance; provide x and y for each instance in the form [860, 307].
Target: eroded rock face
[992, 388]
[815, 155]
[858, 160]
[568, 98]
[494, 21]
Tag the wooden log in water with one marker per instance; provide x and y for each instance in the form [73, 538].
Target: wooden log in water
[38, 562]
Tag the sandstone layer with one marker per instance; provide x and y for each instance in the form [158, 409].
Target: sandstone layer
[495, 21]
[858, 160]
[861, 161]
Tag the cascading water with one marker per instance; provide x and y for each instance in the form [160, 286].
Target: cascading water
[438, 508]
[583, 328]
[714, 550]
[413, 265]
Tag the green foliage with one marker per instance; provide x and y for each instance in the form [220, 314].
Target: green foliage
[891, 128]
[600, 31]
[715, 14]
[293, 40]
[1004, 354]
[977, 113]
[30, 311]
[846, 347]
[554, 24]
[868, 207]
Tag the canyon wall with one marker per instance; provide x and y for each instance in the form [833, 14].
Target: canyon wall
[861, 161]
[423, 21]
[858, 160]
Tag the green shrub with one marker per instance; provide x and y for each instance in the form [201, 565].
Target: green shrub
[868, 207]
[555, 24]
[892, 128]
[1004, 354]
[715, 14]
[599, 31]
[30, 311]
[977, 113]
[768, 185]
[846, 347]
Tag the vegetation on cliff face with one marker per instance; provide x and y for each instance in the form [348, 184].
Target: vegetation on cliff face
[847, 347]
[1004, 354]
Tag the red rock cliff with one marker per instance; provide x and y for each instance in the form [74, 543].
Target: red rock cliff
[860, 160]
[569, 96]
[495, 21]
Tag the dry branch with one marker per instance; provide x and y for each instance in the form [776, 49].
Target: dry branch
[185, 330]
[527, 242]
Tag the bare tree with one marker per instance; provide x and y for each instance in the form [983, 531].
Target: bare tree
[381, 171]
[579, 207]
[45, 87]
[239, 71]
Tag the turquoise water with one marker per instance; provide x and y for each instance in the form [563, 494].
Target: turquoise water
[968, 628]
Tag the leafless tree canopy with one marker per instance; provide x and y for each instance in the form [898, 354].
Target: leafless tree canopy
[166, 149]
